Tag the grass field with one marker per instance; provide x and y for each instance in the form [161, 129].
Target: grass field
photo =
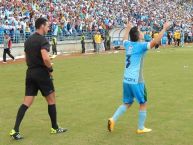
[89, 89]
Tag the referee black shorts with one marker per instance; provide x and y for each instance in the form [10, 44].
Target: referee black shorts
[38, 79]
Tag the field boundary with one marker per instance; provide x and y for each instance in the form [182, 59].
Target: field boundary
[20, 59]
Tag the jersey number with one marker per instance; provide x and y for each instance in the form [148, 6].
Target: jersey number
[128, 62]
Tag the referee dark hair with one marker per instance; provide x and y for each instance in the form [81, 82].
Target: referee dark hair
[38, 77]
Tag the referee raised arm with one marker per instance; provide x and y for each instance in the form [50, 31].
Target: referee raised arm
[38, 77]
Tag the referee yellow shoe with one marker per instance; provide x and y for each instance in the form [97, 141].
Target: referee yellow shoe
[145, 130]
[111, 124]
[59, 130]
[15, 135]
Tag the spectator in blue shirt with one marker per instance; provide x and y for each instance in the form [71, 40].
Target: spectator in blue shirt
[147, 37]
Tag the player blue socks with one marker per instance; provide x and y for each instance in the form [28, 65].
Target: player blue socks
[142, 118]
[122, 109]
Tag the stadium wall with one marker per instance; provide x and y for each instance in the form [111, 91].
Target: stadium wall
[71, 46]
[67, 46]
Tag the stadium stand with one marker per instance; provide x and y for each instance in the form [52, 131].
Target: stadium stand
[73, 17]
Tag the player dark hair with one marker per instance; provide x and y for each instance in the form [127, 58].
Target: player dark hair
[39, 22]
[134, 34]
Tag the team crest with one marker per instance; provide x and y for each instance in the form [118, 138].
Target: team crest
[130, 49]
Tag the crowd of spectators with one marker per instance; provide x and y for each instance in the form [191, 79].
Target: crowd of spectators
[74, 17]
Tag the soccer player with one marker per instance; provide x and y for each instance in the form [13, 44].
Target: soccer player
[38, 77]
[133, 82]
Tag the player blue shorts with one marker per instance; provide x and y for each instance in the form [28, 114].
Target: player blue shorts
[137, 91]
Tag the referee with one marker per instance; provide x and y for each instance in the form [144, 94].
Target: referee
[38, 77]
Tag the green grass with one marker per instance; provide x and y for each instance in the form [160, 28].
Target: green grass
[89, 89]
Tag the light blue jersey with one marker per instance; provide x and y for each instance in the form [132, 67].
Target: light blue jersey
[133, 83]
[135, 52]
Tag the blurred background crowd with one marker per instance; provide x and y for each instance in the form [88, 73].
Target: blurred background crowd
[75, 17]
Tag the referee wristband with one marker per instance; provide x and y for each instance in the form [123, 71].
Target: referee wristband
[50, 69]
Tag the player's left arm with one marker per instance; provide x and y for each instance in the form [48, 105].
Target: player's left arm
[128, 28]
[157, 40]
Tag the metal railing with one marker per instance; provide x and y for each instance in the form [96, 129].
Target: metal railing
[20, 38]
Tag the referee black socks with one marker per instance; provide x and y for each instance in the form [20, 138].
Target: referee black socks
[52, 113]
[23, 108]
[21, 112]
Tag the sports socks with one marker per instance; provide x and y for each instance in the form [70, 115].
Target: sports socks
[21, 112]
[52, 113]
[122, 109]
[142, 118]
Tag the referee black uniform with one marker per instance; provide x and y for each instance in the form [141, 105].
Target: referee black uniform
[38, 77]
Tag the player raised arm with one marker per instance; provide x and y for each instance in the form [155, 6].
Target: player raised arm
[128, 28]
[157, 40]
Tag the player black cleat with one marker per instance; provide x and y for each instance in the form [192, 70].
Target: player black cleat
[59, 130]
[15, 135]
